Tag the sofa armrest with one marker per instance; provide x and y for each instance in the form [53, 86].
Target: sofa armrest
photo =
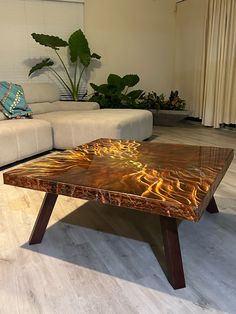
[75, 105]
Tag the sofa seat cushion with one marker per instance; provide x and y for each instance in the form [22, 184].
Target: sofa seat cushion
[71, 129]
[23, 138]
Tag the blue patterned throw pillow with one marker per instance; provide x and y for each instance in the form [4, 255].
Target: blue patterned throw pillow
[13, 101]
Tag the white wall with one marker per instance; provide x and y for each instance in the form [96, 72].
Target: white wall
[133, 36]
[146, 37]
[190, 26]
[20, 18]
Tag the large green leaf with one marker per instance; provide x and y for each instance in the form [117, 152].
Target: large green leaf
[44, 63]
[53, 42]
[134, 94]
[106, 89]
[79, 48]
[102, 89]
[130, 80]
[116, 81]
[94, 86]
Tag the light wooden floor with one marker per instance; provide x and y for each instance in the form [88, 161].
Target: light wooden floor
[97, 260]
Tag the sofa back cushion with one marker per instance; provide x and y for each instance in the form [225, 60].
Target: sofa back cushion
[43, 107]
[75, 105]
[40, 92]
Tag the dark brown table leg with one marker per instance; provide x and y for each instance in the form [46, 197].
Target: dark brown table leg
[212, 207]
[175, 272]
[43, 218]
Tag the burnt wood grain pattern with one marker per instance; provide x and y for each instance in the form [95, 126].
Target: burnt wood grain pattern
[175, 272]
[212, 207]
[43, 218]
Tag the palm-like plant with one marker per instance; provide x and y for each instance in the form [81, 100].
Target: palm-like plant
[80, 57]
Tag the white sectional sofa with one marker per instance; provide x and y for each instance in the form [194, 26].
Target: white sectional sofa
[65, 124]
[20, 139]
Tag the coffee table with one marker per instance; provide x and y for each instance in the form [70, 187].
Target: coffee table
[173, 181]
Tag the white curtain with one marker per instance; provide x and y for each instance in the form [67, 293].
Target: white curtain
[217, 94]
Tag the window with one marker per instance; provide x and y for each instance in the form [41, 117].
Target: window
[19, 19]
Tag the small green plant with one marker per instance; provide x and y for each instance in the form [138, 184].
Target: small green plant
[150, 101]
[173, 103]
[115, 93]
[80, 58]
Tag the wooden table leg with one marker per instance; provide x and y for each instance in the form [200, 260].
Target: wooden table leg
[212, 207]
[43, 218]
[175, 272]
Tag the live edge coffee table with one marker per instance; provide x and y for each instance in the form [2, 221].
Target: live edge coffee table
[173, 181]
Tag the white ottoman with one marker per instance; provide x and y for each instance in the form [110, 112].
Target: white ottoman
[71, 129]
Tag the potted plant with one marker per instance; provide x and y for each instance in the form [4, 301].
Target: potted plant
[172, 110]
[80, 58]
[115, 93]
[152, 102]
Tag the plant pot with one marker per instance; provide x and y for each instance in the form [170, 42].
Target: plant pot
[170, 117]
[155, 115]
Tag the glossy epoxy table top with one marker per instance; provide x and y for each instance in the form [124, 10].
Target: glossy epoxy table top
[167, 179]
